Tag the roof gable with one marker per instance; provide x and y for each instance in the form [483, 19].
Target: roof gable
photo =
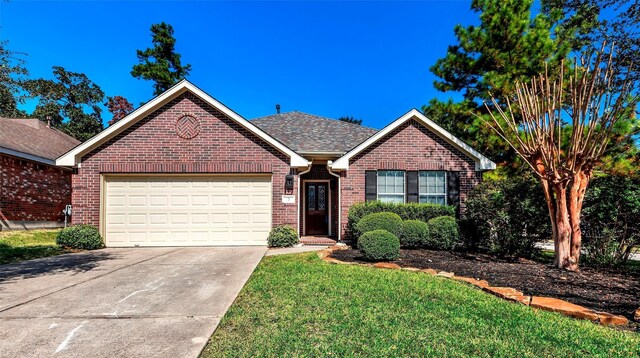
[481, 162]
[306, 133]
[73, 156]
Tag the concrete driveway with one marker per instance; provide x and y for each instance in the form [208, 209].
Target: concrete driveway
[139, 302]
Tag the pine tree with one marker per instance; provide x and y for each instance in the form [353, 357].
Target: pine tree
[508, 45]
[161, 63]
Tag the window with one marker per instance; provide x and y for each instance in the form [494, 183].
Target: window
[432, 187]
[391, 186]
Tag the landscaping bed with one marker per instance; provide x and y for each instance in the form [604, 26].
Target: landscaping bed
[613, 291]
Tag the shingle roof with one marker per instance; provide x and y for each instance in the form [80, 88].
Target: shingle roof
[32, 136]
[305, 132]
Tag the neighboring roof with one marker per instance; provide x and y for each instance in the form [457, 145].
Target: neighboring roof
[32, 139]
[482, 162]
[72, 157]
[306, 133]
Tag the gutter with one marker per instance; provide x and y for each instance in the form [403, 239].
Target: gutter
[329, 164]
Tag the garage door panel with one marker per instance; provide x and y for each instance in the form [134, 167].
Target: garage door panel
[183, 210]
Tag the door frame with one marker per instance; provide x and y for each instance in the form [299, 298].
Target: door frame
[304, 202]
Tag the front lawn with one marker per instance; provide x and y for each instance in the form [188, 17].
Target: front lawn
[298, 305]
[18, 246]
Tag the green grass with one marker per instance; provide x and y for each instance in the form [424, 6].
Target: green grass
[298, 305]
[16, 246]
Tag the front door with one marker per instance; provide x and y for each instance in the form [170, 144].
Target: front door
[317, 202]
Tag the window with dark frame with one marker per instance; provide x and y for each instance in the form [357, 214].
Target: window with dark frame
[391, 188]
[432, 187]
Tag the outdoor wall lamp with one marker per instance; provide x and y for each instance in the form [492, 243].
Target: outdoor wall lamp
[288, 183]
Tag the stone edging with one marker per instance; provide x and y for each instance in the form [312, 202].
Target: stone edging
[507, 293]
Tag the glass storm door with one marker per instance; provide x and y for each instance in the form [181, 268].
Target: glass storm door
[316, 209]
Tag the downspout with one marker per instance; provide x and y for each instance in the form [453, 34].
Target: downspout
[299, 197]
[329, 164]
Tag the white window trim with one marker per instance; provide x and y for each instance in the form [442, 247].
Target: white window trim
[404, 184]
[446, 186]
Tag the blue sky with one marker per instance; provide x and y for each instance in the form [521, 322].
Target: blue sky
[369, 60]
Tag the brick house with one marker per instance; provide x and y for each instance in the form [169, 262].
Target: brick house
[33, 190]
[185, 170]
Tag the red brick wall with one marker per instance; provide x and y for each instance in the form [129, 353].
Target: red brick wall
[31, 191]
[152, 146]
[319, 171]
[409, 147]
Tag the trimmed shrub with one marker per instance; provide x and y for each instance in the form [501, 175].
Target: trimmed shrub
[506, 217]
[611, 220]
[408, 211]
[282, 236]
[83, 237]
[443, 233]
[415, 234]
[380, 221]
[379, 245]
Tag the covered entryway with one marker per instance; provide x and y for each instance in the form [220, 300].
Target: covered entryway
[317, 206]
[183, 210]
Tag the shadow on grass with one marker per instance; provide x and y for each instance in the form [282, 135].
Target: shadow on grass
[74, 263]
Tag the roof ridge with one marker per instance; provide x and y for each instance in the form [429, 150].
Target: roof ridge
[315, 116]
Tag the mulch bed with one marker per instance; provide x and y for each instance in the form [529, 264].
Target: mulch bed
[612, 291]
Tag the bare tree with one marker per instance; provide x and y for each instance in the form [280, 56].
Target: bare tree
[561, 130]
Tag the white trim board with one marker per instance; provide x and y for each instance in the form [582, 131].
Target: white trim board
[73, 157]
[482, 162]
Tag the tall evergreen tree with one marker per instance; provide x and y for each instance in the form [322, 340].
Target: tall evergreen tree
[12, 76]
[161, 63]
[508, 45]
[71, 100]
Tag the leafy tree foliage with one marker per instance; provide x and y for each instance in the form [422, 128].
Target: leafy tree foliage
[611, 221]
[506, 217]
[119, 107]
[71, 100]
[12, 76]
[350, 119]
[161, 63]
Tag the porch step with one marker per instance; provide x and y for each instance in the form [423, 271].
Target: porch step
[317, 240]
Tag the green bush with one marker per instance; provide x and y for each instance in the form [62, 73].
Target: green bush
[380, 221]
[379, 245]
[506, 217]
[282, 236]
[408, 211]
[415, 234]
[83, 237]
[611, 220]
[443, 233]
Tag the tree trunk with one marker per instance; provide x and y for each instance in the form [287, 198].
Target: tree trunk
[563, 227]
[551, 205]
[576, 198]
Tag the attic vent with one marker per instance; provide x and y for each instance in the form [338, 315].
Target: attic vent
[278, 108]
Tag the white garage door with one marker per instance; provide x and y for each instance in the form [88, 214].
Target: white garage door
[187, 210]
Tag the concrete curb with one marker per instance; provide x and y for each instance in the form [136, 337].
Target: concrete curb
[506, 293]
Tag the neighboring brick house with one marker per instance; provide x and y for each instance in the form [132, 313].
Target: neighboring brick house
[186, 170]
[33, 190]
